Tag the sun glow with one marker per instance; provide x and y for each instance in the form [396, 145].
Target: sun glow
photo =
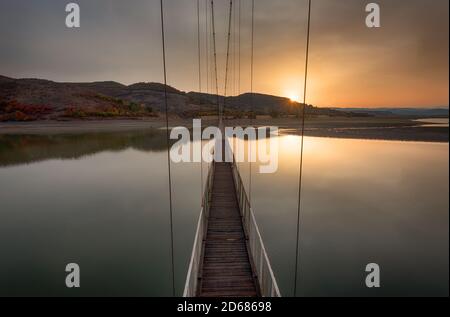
[294, 97]
[292, 93]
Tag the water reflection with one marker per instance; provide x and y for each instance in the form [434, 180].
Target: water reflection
[101, 200]
[20, 149]
[362, 201]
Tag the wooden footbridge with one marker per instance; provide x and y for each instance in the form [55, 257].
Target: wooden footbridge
[228, 257]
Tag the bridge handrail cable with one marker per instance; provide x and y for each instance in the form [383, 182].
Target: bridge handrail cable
[191, 285]
[267, 282]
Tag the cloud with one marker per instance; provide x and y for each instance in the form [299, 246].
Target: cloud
[404, 63]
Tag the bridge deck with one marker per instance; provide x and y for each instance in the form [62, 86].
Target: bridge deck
[226, 268]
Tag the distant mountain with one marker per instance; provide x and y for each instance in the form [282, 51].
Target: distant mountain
[409, 112]
[64, 95]
[30, 99]
[262, 104]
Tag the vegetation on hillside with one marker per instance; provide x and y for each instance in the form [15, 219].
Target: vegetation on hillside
[114, 107]
[15, 111]
[37, 99]
[109, 108]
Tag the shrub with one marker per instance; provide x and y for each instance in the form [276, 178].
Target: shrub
[15, 111]
[74, 112]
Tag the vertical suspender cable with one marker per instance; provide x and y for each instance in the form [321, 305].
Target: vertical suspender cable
[215, 58]
[168, 145]
[210, 51]
[199, 48]
[301, 147]
[200, 90]
[228, 57]
[251, 100]
[235, 76]
[207, 45]
[239, 49]
[233, 53]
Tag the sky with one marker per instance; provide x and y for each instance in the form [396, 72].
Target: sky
[404, 63]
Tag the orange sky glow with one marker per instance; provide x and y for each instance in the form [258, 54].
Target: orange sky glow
[404, 63]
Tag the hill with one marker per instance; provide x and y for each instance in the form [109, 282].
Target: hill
[34, 99]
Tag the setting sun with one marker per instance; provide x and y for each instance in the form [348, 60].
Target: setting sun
[294, 97]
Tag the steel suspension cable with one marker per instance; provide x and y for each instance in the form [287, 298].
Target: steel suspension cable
[302, 145]
[228, 57]
[199, 48]
[200, 90]
[252, 114]
[234, 50]
[211, 54]
[168, 145]
[232, 53]
[239, 49]
[207, 46]
[215, 57]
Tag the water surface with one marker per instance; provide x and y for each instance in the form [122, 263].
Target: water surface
[101, 200]
[433, 122]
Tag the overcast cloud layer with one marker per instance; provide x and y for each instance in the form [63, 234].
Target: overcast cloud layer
[403, 63]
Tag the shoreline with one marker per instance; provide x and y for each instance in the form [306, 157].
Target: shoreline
[398, 129]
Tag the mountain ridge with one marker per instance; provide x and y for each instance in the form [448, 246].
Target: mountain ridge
[28, 99]
[113, 99]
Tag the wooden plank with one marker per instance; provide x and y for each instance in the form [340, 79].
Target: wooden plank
[226, 268]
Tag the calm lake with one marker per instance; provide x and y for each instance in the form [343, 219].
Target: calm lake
[101, 200]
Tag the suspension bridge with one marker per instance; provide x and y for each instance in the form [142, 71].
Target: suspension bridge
[228, 257]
